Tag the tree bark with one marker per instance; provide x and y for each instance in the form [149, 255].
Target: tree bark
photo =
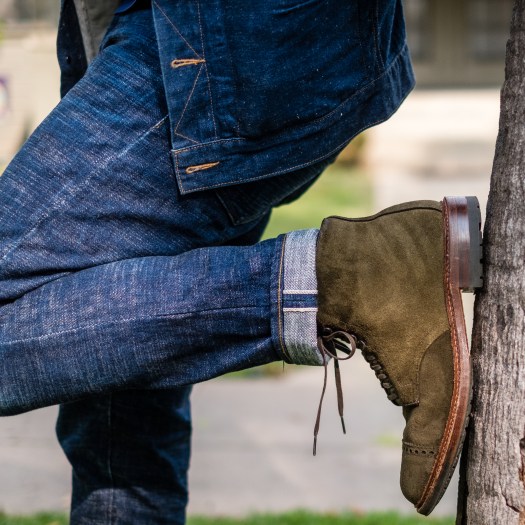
[492, 488]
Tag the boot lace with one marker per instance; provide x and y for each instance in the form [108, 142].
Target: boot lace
[329, 343]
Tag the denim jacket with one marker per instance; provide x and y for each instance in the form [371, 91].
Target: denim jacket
[278, 84]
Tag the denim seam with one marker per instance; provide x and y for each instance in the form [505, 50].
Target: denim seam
[177, 171]
[210, 143]
[175, 27]
[59, 202]
[179, 134]
[129, 320]
[189, 98]
[206, 67]
[279, 303]
[225, 206]
[278, 172]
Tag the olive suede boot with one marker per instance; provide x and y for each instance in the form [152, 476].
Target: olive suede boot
[391, 284]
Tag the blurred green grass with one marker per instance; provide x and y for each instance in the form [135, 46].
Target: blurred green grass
[341, 190]
[303, 517]
[44, 518]
[299, 517]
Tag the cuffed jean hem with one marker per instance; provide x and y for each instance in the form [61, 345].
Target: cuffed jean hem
[297, 299]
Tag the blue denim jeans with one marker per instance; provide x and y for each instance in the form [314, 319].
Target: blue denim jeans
[117, 292]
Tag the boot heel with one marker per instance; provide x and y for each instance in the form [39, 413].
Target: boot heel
[463, 217]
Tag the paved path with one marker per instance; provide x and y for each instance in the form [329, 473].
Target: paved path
[253, 446]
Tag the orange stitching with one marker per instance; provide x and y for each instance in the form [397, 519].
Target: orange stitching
[200, 167]
[180, 62]
[206, 68]
[175, 27]
[185, 137]
[188, 100]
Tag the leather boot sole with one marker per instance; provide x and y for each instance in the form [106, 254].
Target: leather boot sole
[463, 271]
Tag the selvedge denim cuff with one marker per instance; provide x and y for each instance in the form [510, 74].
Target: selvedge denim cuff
[298, 299]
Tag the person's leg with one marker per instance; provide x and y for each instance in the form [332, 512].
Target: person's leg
[98, 436]
[130, 454]
[93, 185]
[145, 323]
[130, 451]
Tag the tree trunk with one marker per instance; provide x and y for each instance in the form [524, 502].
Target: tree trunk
[492, 488]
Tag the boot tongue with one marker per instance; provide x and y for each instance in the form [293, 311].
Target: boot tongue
[329, 343]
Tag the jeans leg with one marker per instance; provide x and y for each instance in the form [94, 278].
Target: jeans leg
[130, 451]
[157, 322]
[93, 185]
[83, 192]
[145, 323]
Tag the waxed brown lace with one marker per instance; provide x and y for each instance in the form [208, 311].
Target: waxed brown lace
[329, 343]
